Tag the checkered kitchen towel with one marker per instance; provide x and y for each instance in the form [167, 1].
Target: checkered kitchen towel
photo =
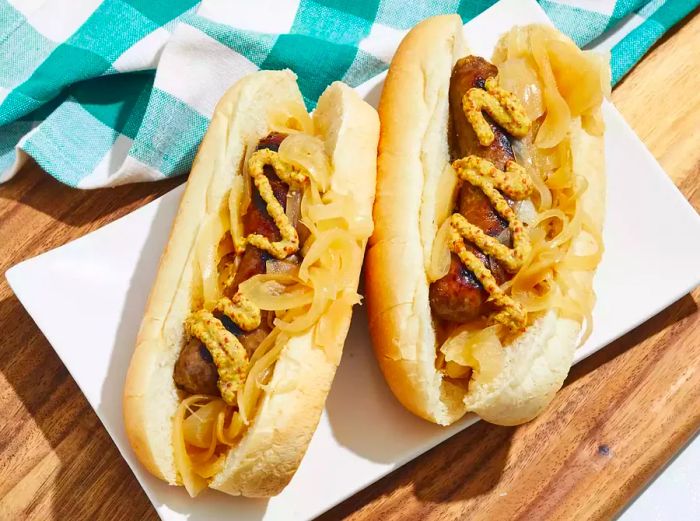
[106, 92]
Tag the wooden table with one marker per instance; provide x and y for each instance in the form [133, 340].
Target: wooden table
[623, 413]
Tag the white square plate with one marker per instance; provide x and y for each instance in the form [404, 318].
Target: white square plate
[88, 298]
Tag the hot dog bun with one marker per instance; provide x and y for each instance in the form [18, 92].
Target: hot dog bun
[270, 451]
[413, 151]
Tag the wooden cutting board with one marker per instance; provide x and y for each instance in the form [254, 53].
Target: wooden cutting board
[623, 413]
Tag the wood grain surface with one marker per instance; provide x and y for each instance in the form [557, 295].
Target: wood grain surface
[623, 413]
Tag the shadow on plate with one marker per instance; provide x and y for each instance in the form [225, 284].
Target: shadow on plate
[372, 97]
[360, 397]
[468, 465]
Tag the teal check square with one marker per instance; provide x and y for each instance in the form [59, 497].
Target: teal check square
[161, 12]
[254, 46]
[10, 134]
[22, 48]
[112, 29]
[70, 156]
[53, 74]
[363, 68]
[316, 62]
[366, 9]
[17, 105]
[330, 23]
[468, 9]
[118, 102]
[170, 134]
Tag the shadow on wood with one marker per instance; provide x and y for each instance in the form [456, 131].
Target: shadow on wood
[466, 466]
[89, 464]
[37, 189]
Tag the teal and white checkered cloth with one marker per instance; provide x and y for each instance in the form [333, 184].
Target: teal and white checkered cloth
[106, 92]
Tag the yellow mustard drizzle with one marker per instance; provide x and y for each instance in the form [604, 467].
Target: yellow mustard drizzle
[230, 357]
[508, 112]
[242, 311]
[289, 243]
[503, 106]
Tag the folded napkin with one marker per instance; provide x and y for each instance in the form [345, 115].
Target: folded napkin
[107, 92]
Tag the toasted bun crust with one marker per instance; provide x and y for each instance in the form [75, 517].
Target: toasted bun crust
[271, 449]
[411, 159]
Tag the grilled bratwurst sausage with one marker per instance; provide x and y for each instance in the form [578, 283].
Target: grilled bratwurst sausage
[195, 371]
[468, 72]
[257, 220]
[458, 296]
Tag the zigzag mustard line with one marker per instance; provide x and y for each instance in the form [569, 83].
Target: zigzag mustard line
[503, 106]
[289, 243]
[515, 183]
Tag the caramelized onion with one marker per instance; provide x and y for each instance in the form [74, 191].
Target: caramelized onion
[446, 193]
[455, 370]
[208, 239]
[517, 76]
[193, 483]
[324, 284]
[198, 427]
[526, 211]
[525, 154]
[229, 434]
[554, 78]
[339, 211]
[333, 324]
[308, 153]
[242, 188]
[274, 292]
[478, 348]
[441, 256]
[558, 116]
[573, 84]
[335, 248]
[593, 122]
[293, 206]
[286, 266]
[577, 75]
